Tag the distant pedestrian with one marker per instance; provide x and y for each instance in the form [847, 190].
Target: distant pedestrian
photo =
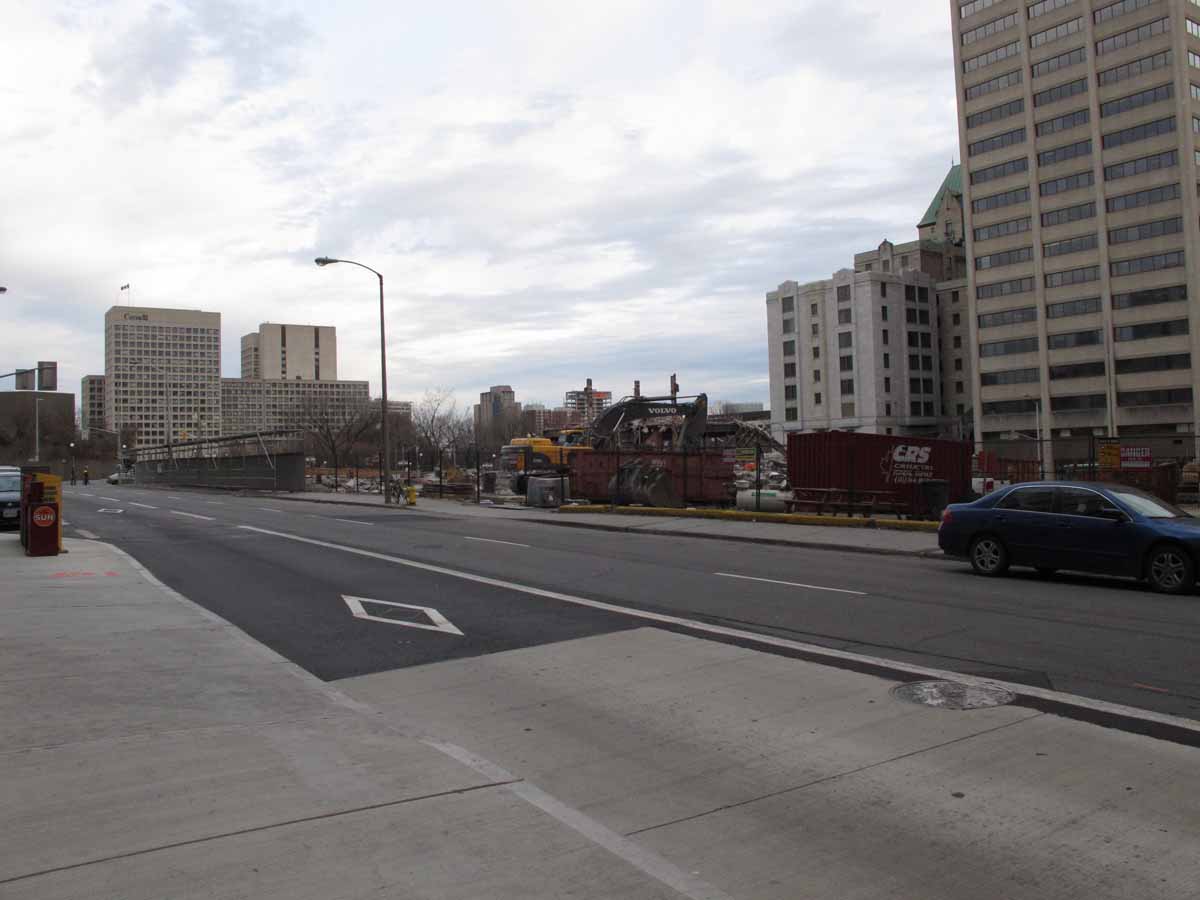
[72, 478]
[86, 476]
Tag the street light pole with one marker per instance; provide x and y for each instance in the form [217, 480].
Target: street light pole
[386, 473]
[37, 429]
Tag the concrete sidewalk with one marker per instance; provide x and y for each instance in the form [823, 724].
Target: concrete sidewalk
[824, 537]
[151, 750]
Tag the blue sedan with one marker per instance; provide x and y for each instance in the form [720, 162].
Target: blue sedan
[1107, 529]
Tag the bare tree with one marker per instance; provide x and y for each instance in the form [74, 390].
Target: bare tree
[433, 418]
[335, 426]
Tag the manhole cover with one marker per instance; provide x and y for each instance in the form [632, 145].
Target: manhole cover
[952, 695]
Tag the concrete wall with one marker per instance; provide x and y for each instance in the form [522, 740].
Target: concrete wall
[232, 472]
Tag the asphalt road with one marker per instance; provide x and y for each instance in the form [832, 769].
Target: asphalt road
[282, 571]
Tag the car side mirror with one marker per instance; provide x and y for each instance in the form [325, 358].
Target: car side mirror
[1114, 515]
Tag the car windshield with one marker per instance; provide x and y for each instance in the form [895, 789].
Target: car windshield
[10, 483]
[1147, 505]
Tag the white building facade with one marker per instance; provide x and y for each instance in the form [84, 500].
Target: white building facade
[162, 373]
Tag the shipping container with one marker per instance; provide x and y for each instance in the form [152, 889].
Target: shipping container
[655, 478]
[858, 462]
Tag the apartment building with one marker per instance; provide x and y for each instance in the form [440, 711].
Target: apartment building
[291, 352]
[91, 402]
[857, 352]
[162, 373]
[1078, 124]
[249, 405]
[498, 414]
[583, 406]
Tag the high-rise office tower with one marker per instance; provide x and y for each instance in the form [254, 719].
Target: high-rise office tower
[1078, 124]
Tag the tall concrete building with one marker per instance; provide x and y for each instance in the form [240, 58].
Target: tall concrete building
[1078, 124]
[498, 414]
[269, 404]
[882, 348]
[162, 371]
[91, 402]
[290, 352]
[583, 406]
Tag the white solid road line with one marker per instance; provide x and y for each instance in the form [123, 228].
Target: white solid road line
[812, 587]
[87, 534]
[180, 512]
[352, 522]
[490, 541]
[814, 650]
[142, 505]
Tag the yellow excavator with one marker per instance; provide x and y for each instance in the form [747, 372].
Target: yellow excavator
[546, 455]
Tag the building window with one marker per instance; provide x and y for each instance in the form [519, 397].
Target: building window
[1063, 123]
[914, 407]
[884, 334]
[789, 326]
[1155, 161]
[1158, 261]
[1154, 363]
[999, 83]
[867, 267]
[1073, 276]
[847, 410]
[883, 290]
[813, 310]
[843, 293]
[817, 398]
[1168, 396]
[910, 293]
[1136, 133]
[991, 57]
[845, 339]
[1077, 370]
[958, 364]
[887, 360]
[997, 201]
[791, 414]
[1066, 183]
[1062, 154]
[789, 370]
[887, 385]
[926, 363]
[1138, 100]
[1150, 297]
[1133, 69]
[1133, 36]
[846, 364]
[789, 348]
[1000, 229]
[847, 386]
[789, 392]
[844, 316]
[1006, 348]
[816, 376]
[816, 329]
[1146, 231]
[1056, 63]
[1000, 170]
[987, 29]
[1005, 258]
[1070, 245]
[788, 304]
[1073, 339]
[1060, 92]
[1104, 13]
[1069, 214]
[883, 313]
[816, 352]
[1148, 330]
[1010, 376]
[1072, 308]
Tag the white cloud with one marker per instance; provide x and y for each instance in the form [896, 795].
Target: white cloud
[553, 191]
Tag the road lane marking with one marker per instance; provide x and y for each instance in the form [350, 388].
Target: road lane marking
[111, 499]
[813, 587]
[352, 522]
[105, 509]
[173, 497]
[142, 505]
[87, 534]
[81, 494]
[215, 502]
[491, 541]
[269, 509]
[180, 512]
[439, 622]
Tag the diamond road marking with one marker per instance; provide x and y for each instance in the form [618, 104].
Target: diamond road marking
[440, 622]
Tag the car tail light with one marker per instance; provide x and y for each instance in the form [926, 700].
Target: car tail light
[947, 516]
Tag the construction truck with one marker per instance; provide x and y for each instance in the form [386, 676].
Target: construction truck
[547, 455]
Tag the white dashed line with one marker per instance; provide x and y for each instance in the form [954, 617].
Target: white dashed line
[490, 541]
[269, 509]
[813, 587]
[173, 497]
[192, 515]
[111, 499]
[143, 505]
[352, 522]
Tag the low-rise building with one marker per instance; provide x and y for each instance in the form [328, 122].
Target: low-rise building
[249, 405]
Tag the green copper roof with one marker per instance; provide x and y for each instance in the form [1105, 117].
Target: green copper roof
[953, 184]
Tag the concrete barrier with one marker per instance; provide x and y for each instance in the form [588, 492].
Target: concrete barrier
[279, 472]
[742, 516]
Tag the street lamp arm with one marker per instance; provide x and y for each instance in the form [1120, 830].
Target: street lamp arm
[328, 260]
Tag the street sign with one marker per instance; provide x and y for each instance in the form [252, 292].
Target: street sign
[437, 622]
[1110, 456]
[1137, 458]
[44, 516]
[747, 454]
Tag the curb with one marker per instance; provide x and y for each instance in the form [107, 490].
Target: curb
[747, 516]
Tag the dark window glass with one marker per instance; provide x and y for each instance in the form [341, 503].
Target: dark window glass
[1077, 370]
[1063, 122]
[1004, 288]
[1133, 36]
[999, 83]
[788, 304]
[1135, 101]
[789, 348]
[1148, 330]
[1073, 276]
[1158, 261]
[846, 363]
[844, 316]
[1047, 6]
[1078, 402]
[1162, 363]
[1073, 308]
[1165, 160]
[791, 414]
[1150, 297]
[1070, 245]
[1008, 317]
[845, 338]
[1006, 258]
[1164, 397]
[1058, 32]
[789, 392]
[1088, 338]
[1030, 499]
[987, 29]
[1011, 376]
[1066, 183]
[991, 57]
[1135, 133]
[1060, 92]
[1062, 61]
[1062, 154]
[847, 386]
[1133, 69]
[1148, 197]
[1006, 348]
[789, 370]
[996, 142]
[1001, 229]
[1069, 214]
[843, 293]
[1104, 13]
[996, 113]
[1146, 230]
[996, 201]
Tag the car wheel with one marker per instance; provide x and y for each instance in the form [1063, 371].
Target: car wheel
[988, 555]
[1170, 570]
[1046, 572]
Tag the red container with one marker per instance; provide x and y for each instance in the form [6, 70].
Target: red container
[694, 478]
[879, 462]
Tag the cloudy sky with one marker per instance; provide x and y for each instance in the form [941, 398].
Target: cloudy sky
[553, 190]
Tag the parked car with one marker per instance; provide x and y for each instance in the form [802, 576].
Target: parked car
[121, 476]
[1107, 529]
[10, 497]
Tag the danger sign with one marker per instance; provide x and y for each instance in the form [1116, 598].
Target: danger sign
[44, 516]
